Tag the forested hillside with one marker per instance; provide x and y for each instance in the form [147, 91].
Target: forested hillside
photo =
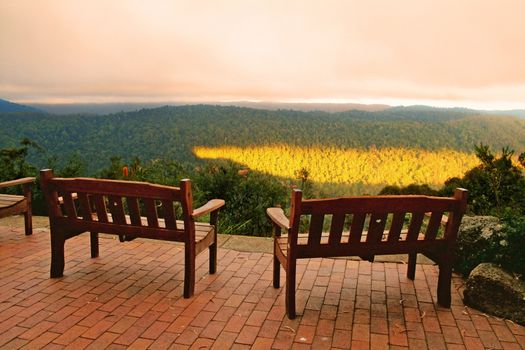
[172, 132]
[350, 171]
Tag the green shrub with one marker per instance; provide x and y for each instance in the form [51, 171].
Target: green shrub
[496, 185]
[410, 189]
[14, 165]
[511, 254]
[247, 195]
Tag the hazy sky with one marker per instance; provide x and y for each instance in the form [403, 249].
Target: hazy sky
[440, 52]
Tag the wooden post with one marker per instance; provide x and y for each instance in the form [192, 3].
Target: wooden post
[291, 264]
[276, 263]
[28, 222]
[93, 240]
[447, 258]
[189, 246]
[57, 236]
[213, 247]
[411, 270]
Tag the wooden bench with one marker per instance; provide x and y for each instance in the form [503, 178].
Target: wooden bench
[16, 204]
[130, 210]
[368, 226]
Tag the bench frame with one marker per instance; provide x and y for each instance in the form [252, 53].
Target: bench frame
[366, 244]
[78, 205]
[18, 204]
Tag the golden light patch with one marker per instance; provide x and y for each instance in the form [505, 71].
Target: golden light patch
[386, 166]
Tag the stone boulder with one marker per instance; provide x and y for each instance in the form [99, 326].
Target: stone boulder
[497, 292]
[475, 243]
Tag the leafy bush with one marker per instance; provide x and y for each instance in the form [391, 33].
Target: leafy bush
[13, 162]
[496, 185]
[247, 195]
[510, 255]
[410, 189]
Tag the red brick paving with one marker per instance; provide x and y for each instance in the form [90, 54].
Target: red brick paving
[131, 297]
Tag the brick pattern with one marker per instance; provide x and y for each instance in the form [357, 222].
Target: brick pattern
[131, 297]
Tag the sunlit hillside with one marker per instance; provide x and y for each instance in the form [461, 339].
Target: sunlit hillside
[330, 165]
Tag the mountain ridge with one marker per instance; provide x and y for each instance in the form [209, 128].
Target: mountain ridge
[11, 107]
[172, 132]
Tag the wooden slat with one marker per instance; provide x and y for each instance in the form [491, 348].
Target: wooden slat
[117, 209]
[80, 225]
[336, 229]
[356, 229]
[169, 214]
[116, 188]
[376, 227]
[69, 205]
[16, 208]
[433, 225]
[9, 200]
[100, 207]
[10, 197]
[364, 248]
[397, 225]
[151, 212]
[201, 229]
[134, 210]
[374, 204]
[415, 226]
[85, 207]
[25, 180]
[315, 230]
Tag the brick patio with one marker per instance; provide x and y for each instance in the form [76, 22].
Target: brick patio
[131, 297]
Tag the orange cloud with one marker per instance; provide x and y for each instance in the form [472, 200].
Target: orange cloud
[442, 50]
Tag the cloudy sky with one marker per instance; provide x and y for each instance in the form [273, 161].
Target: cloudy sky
[437, 52]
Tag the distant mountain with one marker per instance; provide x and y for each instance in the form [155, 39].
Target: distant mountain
[95, 108]
[8, 107]
[406, 111]
[107, 108]
[308, 107]
[520, 113]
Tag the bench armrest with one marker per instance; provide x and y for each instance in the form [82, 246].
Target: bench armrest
[278, 217]
[209, 207]
[22, 181]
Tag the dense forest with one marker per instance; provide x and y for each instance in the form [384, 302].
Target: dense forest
[173, 132]
[350, 171]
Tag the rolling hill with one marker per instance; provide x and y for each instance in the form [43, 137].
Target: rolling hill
[173, 132]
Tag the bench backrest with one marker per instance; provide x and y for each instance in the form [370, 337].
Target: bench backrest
[119, 207]
[373, 224]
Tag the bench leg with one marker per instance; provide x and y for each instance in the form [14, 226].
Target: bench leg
[290, 290]
[28, 222]
[189, 271]
[28, 213]
[93, 236]
[213, 258]
[276, 272]
[57, 255]
[411, 271]
[444, 284]
[213, 253]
